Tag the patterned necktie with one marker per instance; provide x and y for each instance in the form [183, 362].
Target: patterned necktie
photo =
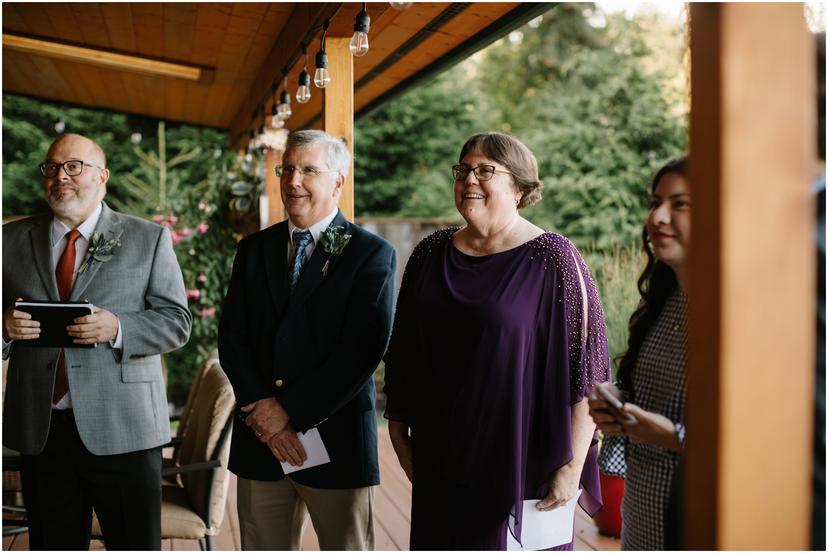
[63, 273]
[301, 240]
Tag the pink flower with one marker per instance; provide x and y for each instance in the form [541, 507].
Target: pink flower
[208, 313]
[193, 294]
[202, 228]
[186, 232]
[202, 278]
[176, 237]
[172, 219]
[157, 219]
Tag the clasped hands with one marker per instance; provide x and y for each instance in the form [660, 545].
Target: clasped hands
[101, 326]
[271, 424]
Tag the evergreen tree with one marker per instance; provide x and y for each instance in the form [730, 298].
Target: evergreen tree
[405, 150]
[598, 113]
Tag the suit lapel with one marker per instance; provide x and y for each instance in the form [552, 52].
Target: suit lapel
[275, 261]
[42, 254]
[312, 272]
[110, 227]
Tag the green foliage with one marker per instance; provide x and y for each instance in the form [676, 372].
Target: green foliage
[597, 105]
[511, 71]
[405, 151]
[191, 192]
[616, 273]
[600, 124]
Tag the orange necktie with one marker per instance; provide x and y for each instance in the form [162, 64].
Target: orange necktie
[63, 273]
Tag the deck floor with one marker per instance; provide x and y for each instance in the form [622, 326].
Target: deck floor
[392, 504]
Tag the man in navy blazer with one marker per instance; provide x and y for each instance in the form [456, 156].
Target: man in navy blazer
[306, 320]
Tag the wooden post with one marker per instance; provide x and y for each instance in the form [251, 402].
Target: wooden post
[752, 295]
[338, 108]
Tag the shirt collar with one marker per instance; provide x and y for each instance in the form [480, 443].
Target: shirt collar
[316, 228]
[60, 229]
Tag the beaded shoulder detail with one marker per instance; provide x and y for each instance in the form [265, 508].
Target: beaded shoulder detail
[427, 245]
[585, 317]
[555, 249]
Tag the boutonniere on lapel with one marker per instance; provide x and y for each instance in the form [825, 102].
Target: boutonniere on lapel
[333, 240]
[100, 250]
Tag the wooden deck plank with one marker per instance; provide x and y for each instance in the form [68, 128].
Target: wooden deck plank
[395, 523]
[231, 515]
[392, 510]
[586, 531]
[19, 542]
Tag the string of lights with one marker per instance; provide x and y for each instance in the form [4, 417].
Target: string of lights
[280, 108]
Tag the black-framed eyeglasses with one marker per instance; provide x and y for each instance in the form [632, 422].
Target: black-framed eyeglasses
[73, 168]
[482, 172]
[288, 170]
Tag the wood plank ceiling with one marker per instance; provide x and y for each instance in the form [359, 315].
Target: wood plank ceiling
[245, 45]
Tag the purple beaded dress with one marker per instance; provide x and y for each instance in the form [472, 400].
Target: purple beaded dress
[487, 356]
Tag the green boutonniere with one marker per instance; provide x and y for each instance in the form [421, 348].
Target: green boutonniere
[333, 240]
[100, 250]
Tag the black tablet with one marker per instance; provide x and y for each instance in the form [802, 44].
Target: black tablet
[54, 317]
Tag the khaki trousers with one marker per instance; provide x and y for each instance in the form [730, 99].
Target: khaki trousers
[273, 515]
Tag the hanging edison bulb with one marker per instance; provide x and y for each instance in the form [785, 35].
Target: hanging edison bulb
[284, 110]
[275, 120]
[321, 77]
[303, 93]
[248, 156]
[359, 42]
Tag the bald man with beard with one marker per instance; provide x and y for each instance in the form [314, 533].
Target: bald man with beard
[89, 422]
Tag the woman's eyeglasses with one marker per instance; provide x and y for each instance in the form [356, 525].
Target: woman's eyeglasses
[481, 172]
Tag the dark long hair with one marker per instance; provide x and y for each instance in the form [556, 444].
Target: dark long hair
[655, 285]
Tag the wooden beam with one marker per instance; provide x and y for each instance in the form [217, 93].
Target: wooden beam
[752, 318]
[105, 58]
[338, 108]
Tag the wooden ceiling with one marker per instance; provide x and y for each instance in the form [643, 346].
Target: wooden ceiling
[245, 48]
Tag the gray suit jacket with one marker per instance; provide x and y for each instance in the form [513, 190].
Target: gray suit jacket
[118, 396]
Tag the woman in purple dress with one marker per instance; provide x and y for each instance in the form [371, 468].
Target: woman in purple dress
[498, 337]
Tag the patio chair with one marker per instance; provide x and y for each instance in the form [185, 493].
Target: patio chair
[195, 510]
[183, 419]
[14, 514]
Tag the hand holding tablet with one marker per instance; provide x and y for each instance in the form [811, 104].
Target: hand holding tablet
[53, 317]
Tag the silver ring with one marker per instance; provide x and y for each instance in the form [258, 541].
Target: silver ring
[258, 434]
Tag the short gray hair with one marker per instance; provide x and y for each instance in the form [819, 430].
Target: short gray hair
[339, 158]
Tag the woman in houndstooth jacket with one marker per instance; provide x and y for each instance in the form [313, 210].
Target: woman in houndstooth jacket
[651, 375]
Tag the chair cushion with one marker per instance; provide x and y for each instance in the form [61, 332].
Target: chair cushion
[211, 409]
[178, 520]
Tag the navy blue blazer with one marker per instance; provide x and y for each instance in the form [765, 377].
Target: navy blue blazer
[314, 351]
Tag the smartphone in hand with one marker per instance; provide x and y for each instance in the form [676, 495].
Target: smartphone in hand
[612, 395]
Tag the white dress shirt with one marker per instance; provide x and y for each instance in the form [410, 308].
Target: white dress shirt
[315, 230]
[59, 235]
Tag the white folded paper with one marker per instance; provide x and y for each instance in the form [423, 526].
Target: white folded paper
[317, 453]
[542, 529]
